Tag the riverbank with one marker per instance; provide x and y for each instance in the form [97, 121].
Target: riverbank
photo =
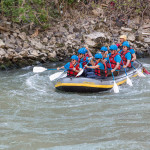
[21, 46]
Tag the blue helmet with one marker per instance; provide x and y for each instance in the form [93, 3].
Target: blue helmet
[81, 51]
[98, 56]
[85, 49]
[113, 47]
[104, 48]
[74, 57]
[126, 43]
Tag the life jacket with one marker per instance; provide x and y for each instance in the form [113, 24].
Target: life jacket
[113, 62]
[71, 72]
[123, 53]
[100, 72]
[87, 55]
[84, 61]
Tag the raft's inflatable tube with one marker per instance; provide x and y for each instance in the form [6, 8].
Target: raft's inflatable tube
[83, 84]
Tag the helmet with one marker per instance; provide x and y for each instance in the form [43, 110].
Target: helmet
[123, 37]
[81, 51]
[104, 48]
[126, 43]
[98, 56]
[85, 49]
[74, 57]
[113, 47]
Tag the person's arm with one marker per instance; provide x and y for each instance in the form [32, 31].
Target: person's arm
[90, 54]
[128, 62]
[117, 66]
[93, 67]
[58, 68]
[133, 57]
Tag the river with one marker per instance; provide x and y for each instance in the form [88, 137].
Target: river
[33, 115]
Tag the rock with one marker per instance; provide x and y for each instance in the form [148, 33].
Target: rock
[15, 34]
[52, 55]
[26, 45]
[8, 44]
[18, 49]
[147, 40]
[2, 44]
[35, 53]
[75, 29]
[131, 37]
[45, 40]
[126, 29]
[98, 12]
[95, 38]
[37, 44]
[24, 53]
[2, 52]
[22, 36]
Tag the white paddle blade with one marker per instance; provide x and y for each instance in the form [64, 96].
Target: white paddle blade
[129, 82]
[140, 74]
[38, 69]
[55, 75]
[80, 73]
[115, 88]
[63, 76]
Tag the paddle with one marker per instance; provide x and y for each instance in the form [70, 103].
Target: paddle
[57, 75]
[115, 87]
[128, 79]
[140, 74]
[82, 69]
[42, 69]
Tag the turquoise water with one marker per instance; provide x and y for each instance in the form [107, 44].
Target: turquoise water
[33, 115]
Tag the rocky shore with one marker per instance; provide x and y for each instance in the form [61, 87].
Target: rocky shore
[20, 47]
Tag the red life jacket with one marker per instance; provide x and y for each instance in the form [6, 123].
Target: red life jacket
[100, 72]
[113, 62]
[84, 61]
[123, 53]
[87, 55]
[71, 72]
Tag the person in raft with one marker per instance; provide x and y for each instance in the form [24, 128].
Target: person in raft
[104, 52]
[133, 55]
[73, 67]
[123, 38]
[100, 69]
[87, 52]
[82, 55]
[113, 61]
[125, 55]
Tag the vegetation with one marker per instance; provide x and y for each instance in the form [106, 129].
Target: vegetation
[41, 12]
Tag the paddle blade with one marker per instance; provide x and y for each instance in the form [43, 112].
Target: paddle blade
[38, 69]
[129, 82]
[55, 75]
[80, 73]
[140, 74]
[115, 88]
[63, 76]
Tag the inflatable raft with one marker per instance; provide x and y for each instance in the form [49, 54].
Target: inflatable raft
[84, 84]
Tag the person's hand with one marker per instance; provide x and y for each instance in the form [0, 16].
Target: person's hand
[74, 69]
[58, 68]
[86, 66]
[124, 66]
[106, 53]
[112, 70]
